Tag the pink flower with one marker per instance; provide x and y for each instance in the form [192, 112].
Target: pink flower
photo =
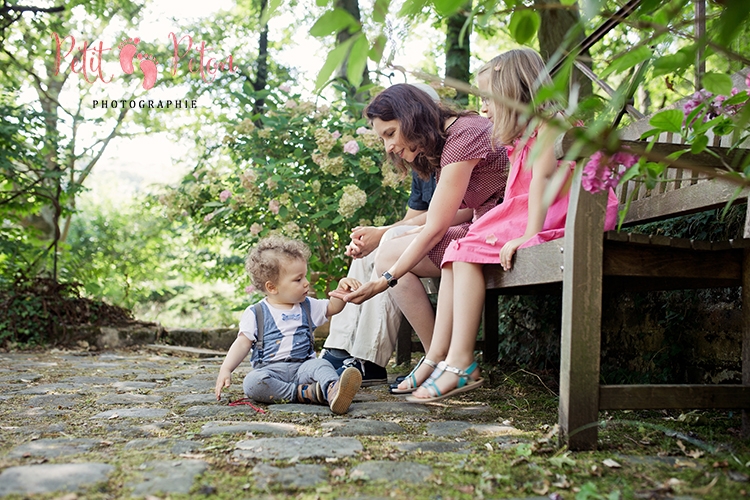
[747, 79]
[351, 147]
[274, 206]
[291, 104]
[255, 229]
[603, 172]
[491, 239]
[208, 217]
[365, 130]
[249, 289]
[285, 88]
[225, 195]
[336, 134]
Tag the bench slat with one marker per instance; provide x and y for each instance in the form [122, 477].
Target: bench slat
[656, 397]
[705, 195]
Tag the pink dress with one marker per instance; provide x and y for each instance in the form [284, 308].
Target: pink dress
[508, 220]
[470, 137]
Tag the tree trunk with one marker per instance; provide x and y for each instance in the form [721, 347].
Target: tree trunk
[557, 20]
[261, 70]
[458, 51]
[352, 7]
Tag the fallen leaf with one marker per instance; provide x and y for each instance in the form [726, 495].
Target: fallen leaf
[338, 472]
[468, 489]
[738, 477]
[540, 487]
[612, 464]
[488, 446]
[704, 491]
[114, 415]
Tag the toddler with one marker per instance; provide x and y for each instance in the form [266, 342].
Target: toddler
[279, 330]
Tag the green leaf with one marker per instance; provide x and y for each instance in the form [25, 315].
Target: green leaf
[670, 63]
[699, 145]
[380, 10]
[357, 61]
[524, 24]
[568, 2]
[717, 83]
[627, 61]
[411, 8]
[269, 11]
[378, 46]
[669, 120]
[334, 59]
[321, 3]
[332, 22]
[447, 8]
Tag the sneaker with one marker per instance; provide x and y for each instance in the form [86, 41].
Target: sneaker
[372, 374]
[336, 357]
[342, 392]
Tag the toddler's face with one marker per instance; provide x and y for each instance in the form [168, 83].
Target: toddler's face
[293, 285]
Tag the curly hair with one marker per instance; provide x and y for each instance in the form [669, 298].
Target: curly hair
[265, 261]
[421, 121]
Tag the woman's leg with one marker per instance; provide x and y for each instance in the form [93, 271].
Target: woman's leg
[468, 301]
[442, 335]
[409, 294]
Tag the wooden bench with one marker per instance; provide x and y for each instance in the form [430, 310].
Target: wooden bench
[587, 262]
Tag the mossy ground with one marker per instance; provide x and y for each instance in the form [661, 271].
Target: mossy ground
[644, 454]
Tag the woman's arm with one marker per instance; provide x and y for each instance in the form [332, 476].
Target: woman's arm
[543, 168]
[454, 179]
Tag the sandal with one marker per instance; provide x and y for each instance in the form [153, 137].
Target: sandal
[465, 383]
[310, 394]
[412, 377]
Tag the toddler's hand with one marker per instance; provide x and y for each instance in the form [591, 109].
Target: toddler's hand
[224, 380]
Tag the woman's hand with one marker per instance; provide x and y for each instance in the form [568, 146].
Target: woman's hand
[362, 293]
[365, 239]
[347, 285]
[509, 249]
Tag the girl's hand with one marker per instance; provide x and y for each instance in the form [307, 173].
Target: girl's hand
[346, 285]
[365, 291]
[509, 249]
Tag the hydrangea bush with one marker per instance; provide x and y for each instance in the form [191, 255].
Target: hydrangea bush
[307, 171]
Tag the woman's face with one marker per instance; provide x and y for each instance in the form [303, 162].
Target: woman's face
[483, 82]
[390, 132]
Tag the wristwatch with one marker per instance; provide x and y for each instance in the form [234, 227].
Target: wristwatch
[390, 279]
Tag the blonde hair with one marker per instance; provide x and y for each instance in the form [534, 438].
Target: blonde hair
[265, 261]
[514, 75]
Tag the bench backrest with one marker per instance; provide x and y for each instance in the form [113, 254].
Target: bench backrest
[684, 191]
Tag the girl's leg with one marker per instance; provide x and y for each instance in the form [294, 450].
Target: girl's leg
[273, 383]
[409, 294]
[468, 301]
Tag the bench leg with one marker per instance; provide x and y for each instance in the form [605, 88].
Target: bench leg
[746, 334]
[581, 318]
[490, 327]
[403, 342]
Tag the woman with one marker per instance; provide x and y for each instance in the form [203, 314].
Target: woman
[428, 137]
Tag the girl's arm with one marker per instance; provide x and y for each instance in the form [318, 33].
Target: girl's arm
[240, 347]
[543, 168]
[454, 179]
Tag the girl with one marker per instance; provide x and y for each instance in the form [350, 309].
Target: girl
[427, 137]
[521, 220]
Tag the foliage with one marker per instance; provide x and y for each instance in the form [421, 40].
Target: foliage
[39, 311]
[26, 186]
[310, 172]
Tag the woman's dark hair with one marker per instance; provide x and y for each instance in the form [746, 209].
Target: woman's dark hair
[421, 121]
